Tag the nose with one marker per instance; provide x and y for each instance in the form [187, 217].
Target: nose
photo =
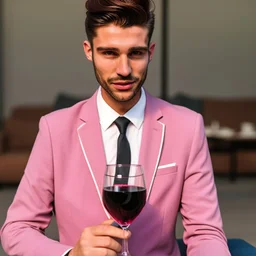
[123, 66]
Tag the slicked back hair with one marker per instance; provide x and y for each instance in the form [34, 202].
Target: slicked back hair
[123, 13]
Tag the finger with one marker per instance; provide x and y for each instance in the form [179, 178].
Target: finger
[104, 251]
[108, 230]
[99, 251]
[112, 223]
[108, 222]
[108, 242]
[115, 224]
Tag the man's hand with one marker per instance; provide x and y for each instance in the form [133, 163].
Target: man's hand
[100, 240]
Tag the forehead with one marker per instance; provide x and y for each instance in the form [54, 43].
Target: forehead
[122, 38]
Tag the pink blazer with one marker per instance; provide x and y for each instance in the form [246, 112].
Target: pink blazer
[65, 174]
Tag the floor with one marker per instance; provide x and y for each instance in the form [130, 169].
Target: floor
[237, 202]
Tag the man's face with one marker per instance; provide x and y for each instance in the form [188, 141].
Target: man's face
[120, 57]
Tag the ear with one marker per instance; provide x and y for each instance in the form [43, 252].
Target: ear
[151, 50]
[88, 50]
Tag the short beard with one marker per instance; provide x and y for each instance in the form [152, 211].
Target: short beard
[105, 86]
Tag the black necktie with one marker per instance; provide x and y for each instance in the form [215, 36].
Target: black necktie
[123, 150]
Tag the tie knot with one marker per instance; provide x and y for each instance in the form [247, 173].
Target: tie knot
[122, 123]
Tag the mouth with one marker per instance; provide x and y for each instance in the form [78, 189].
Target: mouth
[123, 85]
[123, 82]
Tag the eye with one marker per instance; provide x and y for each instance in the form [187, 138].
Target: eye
[109, 53]
[137, 54]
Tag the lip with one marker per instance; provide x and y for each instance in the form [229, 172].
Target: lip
[123, 82]
[123, 86]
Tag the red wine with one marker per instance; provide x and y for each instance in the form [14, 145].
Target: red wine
[123, 202]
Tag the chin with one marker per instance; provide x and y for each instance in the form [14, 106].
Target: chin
[124, 96]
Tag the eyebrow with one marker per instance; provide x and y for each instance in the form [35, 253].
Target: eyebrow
[138, 48]
[101, 49]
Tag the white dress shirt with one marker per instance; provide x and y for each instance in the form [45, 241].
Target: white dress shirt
[110, 131]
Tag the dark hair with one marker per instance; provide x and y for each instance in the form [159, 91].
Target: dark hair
[124, 13]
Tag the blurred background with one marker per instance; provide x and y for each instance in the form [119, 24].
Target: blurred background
[205, 59]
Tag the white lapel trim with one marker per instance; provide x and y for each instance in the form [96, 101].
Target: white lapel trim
[157, 162]
[89, 166]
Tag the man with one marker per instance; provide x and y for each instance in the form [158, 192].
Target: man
[65, 171]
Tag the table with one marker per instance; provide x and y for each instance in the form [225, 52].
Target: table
[231, 144]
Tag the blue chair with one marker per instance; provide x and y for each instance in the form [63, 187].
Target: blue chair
[237, 247]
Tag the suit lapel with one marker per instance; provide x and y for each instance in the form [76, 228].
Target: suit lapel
[152, 142]
[90, 137]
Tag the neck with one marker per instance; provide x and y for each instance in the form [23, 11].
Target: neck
[121, 107]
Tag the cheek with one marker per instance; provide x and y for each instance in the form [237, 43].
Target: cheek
[139, 66]
[104, 68]
[141, 69]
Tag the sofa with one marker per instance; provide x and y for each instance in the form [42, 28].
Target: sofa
[20, 129]
[19, 132]
[231, 113]
[16, 140]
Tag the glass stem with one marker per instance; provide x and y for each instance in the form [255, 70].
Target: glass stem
[125, 250]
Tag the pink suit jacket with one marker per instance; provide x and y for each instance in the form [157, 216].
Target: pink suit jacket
[65, 174]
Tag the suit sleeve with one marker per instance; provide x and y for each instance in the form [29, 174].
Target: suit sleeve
[203, 228]
[31, 210]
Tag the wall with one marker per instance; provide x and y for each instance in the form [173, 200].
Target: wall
[212, 47]
[44, 54]
[1, 63]
[211, 50]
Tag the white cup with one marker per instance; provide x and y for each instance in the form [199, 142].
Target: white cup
[247, 127]
[215, 126]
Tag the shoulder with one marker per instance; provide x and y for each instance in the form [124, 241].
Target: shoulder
[172, 112]
[63, 120]
[66, 113]
[179, 121]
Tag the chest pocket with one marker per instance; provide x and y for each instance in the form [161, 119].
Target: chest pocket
[167, 169]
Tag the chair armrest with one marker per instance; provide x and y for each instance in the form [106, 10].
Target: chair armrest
[237, 247]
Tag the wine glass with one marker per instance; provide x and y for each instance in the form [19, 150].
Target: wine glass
[124, 195]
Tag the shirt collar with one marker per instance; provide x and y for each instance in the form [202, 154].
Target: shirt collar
[107, 115]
